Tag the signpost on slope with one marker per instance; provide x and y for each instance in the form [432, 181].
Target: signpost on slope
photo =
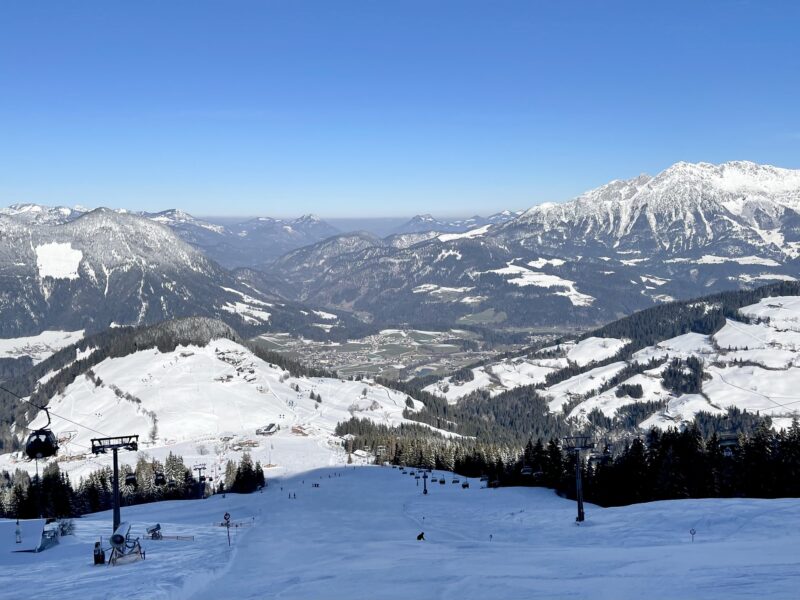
[227, 517]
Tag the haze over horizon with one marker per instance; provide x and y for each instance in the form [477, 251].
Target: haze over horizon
[376, 110]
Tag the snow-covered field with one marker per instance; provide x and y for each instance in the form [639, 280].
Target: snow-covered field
[498, 377]
[38, 347]
[595, 349]
[522, 276]
[58, 260]
[354, 537]
[205, 404]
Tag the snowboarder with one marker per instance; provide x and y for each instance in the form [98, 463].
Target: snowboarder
[421, 537]
[294, 496]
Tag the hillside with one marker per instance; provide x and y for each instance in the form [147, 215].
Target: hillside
[192, 388]
[746, 345]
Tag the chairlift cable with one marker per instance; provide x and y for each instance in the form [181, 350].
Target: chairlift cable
[47, 410]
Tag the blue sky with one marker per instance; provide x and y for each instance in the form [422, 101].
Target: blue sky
[383, 108]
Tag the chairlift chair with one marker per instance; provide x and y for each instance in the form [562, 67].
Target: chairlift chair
[41, 443]
[442, 481]
[465, 485]
[172, 483]
[130, 479]
[159, 479]
[727, 442]
[456, 480]
[526, 471]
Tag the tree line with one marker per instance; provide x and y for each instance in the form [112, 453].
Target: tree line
[53, 494]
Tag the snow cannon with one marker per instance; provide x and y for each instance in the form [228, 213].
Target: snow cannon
[120, 536]
[154, 532]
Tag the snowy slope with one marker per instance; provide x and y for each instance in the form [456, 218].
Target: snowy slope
[355, 537]
[753, 366]
[188, 400]
[498, 377]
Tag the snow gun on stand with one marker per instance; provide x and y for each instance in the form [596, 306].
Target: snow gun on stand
[124, 549]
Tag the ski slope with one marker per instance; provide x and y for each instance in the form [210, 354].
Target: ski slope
[354, 537]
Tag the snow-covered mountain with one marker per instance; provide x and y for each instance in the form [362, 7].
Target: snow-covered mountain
[247, 244]
[736, 209]
[42, 215]
[107, 268]
[690, 230]
[426, 222]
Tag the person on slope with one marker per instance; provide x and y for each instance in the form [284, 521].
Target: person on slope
[421, 537]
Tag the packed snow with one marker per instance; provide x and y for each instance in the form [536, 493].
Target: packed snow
[354, 536]
[58, 260]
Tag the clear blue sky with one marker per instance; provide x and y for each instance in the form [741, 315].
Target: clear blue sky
[384, 107]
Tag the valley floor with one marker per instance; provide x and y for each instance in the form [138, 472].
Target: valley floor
[354, 537]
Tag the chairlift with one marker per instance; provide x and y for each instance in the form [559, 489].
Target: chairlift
[442, 481]
[465, 485]
[202, 478]
[172, 483]
[41, 443]
[130, 479]
[159, 478]
[434, 479]
[456, 480]
[526, 471]
[727, 442]
[484, 478]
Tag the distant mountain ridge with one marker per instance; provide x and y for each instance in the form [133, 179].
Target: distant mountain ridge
[108, 268]
[426, 222]
[692, 229]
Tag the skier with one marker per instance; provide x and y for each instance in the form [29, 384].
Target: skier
[294, 496]
[421, 537]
